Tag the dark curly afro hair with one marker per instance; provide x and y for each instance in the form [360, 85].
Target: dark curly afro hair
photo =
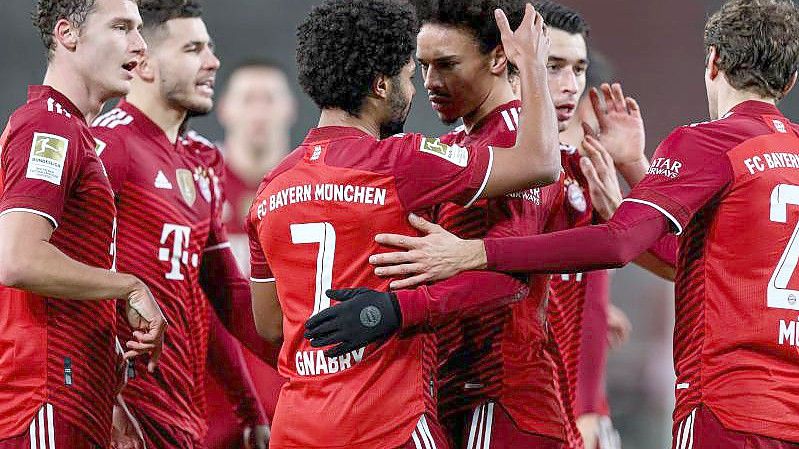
[476, 16]
[343, 45]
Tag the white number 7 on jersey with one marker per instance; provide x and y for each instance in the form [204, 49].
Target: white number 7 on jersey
[779, 295]
[325, 236]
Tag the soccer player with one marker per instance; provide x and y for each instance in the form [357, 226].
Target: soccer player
[313, 221]
[59, 374]
[257, 110]
[167, 193]
[728, 188]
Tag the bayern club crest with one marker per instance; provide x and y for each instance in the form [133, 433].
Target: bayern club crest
[186, 184]
[576, 197]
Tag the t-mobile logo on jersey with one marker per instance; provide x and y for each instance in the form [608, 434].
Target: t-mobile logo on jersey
[179, 253]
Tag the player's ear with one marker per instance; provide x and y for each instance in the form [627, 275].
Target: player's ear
[711, 64]
[499, 61]
[380, 87]
[66, 34]
[146, 69]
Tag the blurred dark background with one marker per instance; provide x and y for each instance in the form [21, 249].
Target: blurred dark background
[656, 50]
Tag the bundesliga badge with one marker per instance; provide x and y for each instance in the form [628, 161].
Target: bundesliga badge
[186, 184]
[576, 197]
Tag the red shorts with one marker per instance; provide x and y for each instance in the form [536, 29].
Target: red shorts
[491, 427]
[428, 434]
[50, 431]
[165, 436]
[702, 430]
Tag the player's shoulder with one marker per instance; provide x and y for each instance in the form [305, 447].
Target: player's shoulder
[286, 164]
[116, 119]
[45, 115]
[207, 151]
[456, 134]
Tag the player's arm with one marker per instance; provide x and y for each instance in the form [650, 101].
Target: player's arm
[605, 191]
[656, 205]
[30, 208]
[266, 310]
[227, 365]
[415, 310]
[537, 139]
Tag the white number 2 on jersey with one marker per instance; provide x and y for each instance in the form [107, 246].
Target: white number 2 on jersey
[778, 294]
[325, 236]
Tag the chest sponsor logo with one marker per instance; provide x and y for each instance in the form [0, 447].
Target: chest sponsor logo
[47, 158]
[453, 153]
[531, 195]
[162, 182]
[664, 166]
[186, 185]
[178, 254]
[576, 197]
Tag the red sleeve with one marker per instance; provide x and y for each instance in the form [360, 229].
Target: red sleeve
[227, 364]
[115, 156]
[229, 294]
[259, 266]
[665, 250]
[593, 347]
[429, 172]
[40, 162]
[467, 292]
[631, 231]
[688, 169]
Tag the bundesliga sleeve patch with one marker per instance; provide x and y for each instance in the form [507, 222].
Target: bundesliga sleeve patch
[47, 158]
[453, 153]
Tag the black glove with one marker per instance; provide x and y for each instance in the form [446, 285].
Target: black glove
[362, 316]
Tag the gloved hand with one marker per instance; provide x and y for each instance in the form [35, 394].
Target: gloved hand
[362, 316]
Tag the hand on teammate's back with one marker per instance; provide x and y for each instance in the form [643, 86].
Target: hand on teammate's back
[145, 316]
[362, 316]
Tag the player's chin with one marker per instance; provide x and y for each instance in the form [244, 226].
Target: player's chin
[200, 106]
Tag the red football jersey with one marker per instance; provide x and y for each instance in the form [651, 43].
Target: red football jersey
[237, 198]
[568, 291]
[166, 202]
[500, 354]
[730, 187]
[57, 351]
[316, 216]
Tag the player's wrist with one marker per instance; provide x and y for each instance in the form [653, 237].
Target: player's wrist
[634, 170]
[476, 257]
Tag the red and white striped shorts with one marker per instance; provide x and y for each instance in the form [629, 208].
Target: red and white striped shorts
[428, 434]
[49, 431]
[702, 430]
[491, 427]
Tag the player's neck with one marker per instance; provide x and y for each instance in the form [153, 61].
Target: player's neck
[729, 98]
[501, 93]
[79, 92]
[249, 161]
[338, 117]
[167, 118]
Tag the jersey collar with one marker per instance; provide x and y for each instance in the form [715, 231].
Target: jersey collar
[147, 126]
[38, 92]
[494, 117]
[754, 107]
[324, 133]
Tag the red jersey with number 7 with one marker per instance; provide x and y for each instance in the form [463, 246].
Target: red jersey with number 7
[731, 188]
[312, 227]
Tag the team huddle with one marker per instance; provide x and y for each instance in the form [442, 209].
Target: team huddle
[424, 292]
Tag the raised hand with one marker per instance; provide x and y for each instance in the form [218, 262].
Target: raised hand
[529, 43]
[621, 128]
[603, 183]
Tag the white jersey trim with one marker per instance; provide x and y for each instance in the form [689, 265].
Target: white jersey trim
[262, 281]
[659, 209]
[31, 211]
[222, 245]
[485, 180]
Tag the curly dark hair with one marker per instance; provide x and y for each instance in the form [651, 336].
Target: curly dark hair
[49, 12]
[156, 13]
[757, 44]
[343, 45]
[477, 16]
